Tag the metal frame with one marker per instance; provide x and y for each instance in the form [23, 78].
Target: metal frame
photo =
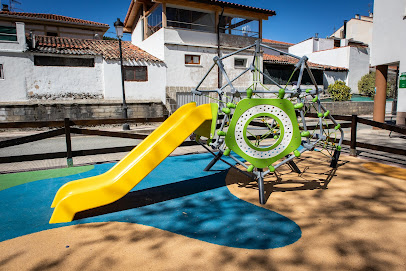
[301, 95]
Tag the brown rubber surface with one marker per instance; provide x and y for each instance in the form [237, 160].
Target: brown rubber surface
[358, 223]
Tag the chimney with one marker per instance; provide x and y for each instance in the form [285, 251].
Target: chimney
[316, 35]
[5, 8]
[345, 29]
[33, 41]
[357, 16]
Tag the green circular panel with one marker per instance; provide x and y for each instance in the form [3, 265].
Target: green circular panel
[273, 145]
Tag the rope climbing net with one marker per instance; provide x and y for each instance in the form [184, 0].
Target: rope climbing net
[268, 128]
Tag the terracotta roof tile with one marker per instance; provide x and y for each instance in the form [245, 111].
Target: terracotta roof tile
[109, 49]
[277, 42]
[52, 17]
[235, 5]
[288, 60]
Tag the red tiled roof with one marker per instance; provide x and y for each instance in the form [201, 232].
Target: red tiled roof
[288, 60]
[277, 42]
[239, 6]
[109, 49]
[51, 17]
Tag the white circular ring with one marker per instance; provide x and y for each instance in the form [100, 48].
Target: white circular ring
[277, 112]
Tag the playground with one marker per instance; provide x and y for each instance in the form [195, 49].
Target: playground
[181, 218]
[268, 191]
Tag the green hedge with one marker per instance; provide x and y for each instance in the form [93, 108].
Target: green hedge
[339, 91]
[366, 86]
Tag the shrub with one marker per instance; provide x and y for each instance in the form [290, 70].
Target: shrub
[366, 86]
[339, 91]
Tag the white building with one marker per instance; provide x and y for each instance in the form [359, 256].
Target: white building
[349, 54]
[280, 45]
[187, 35]
[52, 25]
[42, 67]
[388, 46]
[357, 29]
[37, 69]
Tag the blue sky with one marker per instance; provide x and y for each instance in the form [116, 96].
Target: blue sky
[295, 20]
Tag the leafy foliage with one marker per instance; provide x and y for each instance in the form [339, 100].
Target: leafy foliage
[366, 86]
[339, 91]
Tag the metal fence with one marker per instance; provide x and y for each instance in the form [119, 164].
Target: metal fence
[187, 97]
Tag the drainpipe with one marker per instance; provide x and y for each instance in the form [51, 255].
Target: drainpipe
[219, 78]
[345, 29]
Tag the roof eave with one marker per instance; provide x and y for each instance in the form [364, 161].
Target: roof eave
[22, 18]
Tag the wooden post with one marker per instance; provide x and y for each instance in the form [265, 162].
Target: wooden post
[353, 144]
[380, 95]
[164, 21]
[260, 29]
[144, 16]
[69, 158]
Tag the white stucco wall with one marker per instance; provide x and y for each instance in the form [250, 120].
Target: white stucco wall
[358, 66]
[356, 60]
[16, 68]
[357, 29]
[189, 37]
[336, 57]
[311, 45]
[360, 30]
[282, 48]
[389, 40]
[302, 48]
[15, 46]
[329, 77]
[154, 44]
[180, 74]
[57, 82]
[323, 44]
[152, 90]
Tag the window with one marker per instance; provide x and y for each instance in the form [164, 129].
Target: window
[154, 21]
[192, 59]
[282, 73]
[239, 26]
[240, 62]
[52, 34]
[189, 19]
[135, 73]
[1, 72]
[63, 61]
[8, 33]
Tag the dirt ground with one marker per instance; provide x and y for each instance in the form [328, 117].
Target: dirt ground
[357, 223]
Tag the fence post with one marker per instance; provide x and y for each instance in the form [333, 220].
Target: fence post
[69, 158]
[353, 144]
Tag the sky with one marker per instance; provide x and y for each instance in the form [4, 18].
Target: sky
[295, 20]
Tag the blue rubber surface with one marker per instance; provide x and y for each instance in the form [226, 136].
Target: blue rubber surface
[178, 196]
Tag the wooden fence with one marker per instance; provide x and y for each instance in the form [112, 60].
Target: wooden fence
[67, 128]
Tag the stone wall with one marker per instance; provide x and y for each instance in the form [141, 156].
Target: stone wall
[47, 111]
[349, 108]
[336, 108]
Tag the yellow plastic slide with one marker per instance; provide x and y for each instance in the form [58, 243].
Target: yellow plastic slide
[108, 187]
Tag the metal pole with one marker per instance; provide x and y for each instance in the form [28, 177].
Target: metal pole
[261, 188]
[69, 158]
[126, 126]
[353, 143]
